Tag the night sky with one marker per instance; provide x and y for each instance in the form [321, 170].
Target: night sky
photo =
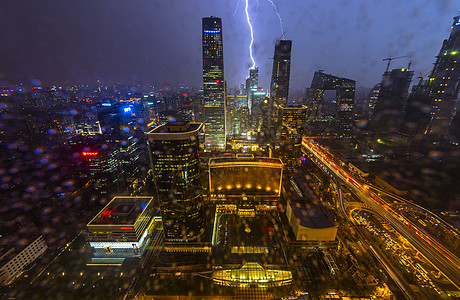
[160, 41]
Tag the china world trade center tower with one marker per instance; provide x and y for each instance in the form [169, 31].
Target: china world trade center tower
[213, 84]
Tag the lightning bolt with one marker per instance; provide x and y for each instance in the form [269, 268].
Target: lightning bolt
[236, 9]
[279, 17]
[252, 35]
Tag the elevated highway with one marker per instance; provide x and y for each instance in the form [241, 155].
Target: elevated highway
[441, 258]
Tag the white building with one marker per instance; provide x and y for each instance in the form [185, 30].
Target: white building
[13, 262]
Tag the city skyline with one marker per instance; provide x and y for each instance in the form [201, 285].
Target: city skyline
[146, 190]
[112, 46]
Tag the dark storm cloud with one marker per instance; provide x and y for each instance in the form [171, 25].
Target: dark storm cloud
[160, 41]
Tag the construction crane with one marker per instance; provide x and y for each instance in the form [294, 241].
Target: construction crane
[390, 59]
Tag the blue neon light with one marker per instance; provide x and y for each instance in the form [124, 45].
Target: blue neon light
[128, 109]
[106, 104]
[211, 31]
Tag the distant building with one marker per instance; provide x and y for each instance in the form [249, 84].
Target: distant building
[445, 82]
[279, 84]
[213, 84]
[311, 222]
[13, 260]
[175, 161]
[342, 102]
[252, 83]
[388, 112]
[292, 121]
[120, 228]
[372, 99]
[99, 162]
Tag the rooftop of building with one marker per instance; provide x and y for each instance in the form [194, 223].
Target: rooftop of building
[175, 130]
[297, 188]
[312, 215]
[121, 210]
[249, 158]
[292, 106]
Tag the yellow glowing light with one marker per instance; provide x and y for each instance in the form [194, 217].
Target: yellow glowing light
[229, 187]
[248, 186]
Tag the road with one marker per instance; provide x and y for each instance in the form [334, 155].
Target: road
[441, 258]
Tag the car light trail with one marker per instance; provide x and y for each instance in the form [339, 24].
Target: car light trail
[252, 34]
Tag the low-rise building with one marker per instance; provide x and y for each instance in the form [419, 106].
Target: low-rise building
[120, 229]
[311, 222]
[14, 260]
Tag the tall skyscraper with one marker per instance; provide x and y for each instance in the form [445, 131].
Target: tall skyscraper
[174, 155]
[388, 112]
[213, 84]
[344, 98]
[279, 85]
[444, 82]
[292, 121]
[252, 83]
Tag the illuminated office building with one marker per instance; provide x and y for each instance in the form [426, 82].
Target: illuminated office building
[213, 84]
[245, 179]
[174, 154]
[344, 99]
[292, 119]
[279, 85]
[100, 164]
[120, 228]
[444, 82]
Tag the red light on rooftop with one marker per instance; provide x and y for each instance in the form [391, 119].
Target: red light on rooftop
[126, 228]
[89, 153]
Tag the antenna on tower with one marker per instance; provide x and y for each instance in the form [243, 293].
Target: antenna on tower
[282, 35]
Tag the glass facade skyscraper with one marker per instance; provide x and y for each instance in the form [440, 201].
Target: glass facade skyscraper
[292, 119]
[279, 85]
[213, 84]
[175, 161]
